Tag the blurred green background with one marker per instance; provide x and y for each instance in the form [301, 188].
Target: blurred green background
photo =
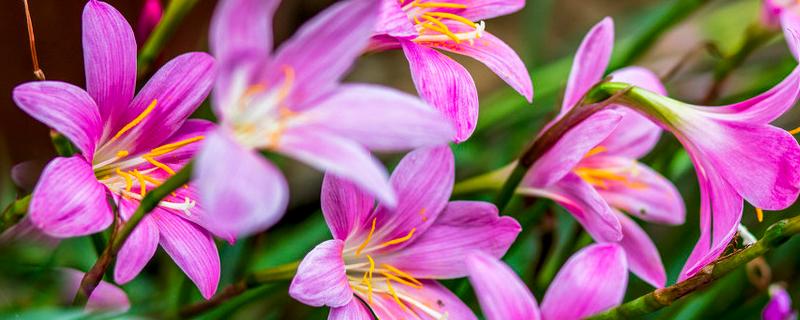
[546, 33]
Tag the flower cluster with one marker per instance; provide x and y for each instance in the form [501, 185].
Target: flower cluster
[398, 240]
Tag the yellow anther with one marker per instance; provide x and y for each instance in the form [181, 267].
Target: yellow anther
[440, 27]
[451, 16]
[369, 237]
[595, 150]
[159, 164]
[400, 280]
[152, 180]
[399, 240]
[122, 153]
[142, 183]
[402, 274]
[439, 5]
[422, 213]
[288, 81]
[128, 179]
[137, 120]
[760, 214]
[369, 282]
[394, 295]
[167, 148]
[795, 131]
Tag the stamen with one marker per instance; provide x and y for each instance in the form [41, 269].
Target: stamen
[394, 295]
[122, 153]
[398, 240]
[760, 214]
[451, 16]
[401, 273]
[369, 236]
[400, 280]
[159, 164]
[439, 5]
[439, 27]
[128, 179]
[595, 150]
[288, 81]
[369, 282]
[142, 183]
[137, 120]
[167, 148]
[795, 131]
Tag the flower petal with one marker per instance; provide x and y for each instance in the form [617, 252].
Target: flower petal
[338, 156]
[177, 89]
[109, 56]
[487, 9]
[641, 252]
[321, 279]
[344, 206]
[791, 30]
[355, 310]
[585, 204]
[497, 56]
[423, 181]
[593, 280]
[138, 249]
[462, 228]
[590, 62]
[637, 190]
[571, 148]
[446, 85]
[192, 249]
[635, 135]
[779, 306]
[324, 49]
[240, 197]
[241, 40]
[65, 108]
[380, 118]
[438, 301]
[765, 107]
[394, 22]
[106, 297]
[68, 201]
[501, 293]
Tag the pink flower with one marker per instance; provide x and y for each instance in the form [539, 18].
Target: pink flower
[105, 298]
[782, 14]
[148, 20]
[420, 26]
[591, 281]
[737, 155]
[128, 145]
[292, 102]
[390, 258]
[779, 306]
[593, 172]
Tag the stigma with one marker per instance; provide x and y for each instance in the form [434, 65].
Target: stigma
[435, 22]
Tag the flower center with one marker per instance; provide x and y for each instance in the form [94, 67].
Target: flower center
[123, 173]
[260, 118]
[368, 276]
[435, 21]
[603, 177]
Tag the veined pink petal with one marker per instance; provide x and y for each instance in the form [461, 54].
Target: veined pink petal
[68, 201]
[496, 55]
[445, 85]
[431, 302]
[321, 279]
[790, 21]
[355, 310]
[380, 118]
[590, 62]
[641, 252]
[26, 174]
[637, 190]
[109, 56]
[593, 280]
[65, 108]
[240, 197]
[344, 206]
[106, 297]
[394, 21]
[462, 228]
[720, 214]
[487, 9]
[192, 249]
[571, 148]
[501, 293]
[192, 128]
[171, 95]
[423, 181]
[635, 135]
[338, 156]
[139, 248]
[241, 41]
[765, 107]
[324, 49]
[779, 306]
[585, 204]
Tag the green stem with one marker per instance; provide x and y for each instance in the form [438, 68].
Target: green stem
[173, 15]
[254, 280]
[150, 201]
[14, 213]
[775, 235]
[545, 142]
